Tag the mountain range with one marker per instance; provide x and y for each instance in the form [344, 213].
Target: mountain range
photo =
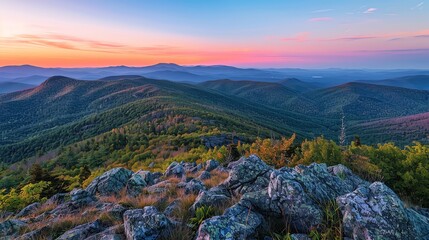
[63, 110]
[169, 71]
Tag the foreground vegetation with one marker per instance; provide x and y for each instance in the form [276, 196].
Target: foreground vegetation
[405, 170]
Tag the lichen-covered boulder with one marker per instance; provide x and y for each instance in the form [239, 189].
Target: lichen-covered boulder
[172, 207]
[248, 175]
[287, 199]
[82, 231]
[110, 183]
[113, 210]
[211, 165]
[58, 198]
[28, 210]
[376, 212]
[79, 199]
[237, 222]
[204, 175]
[298, 194]
[194, 187]
[111, 233]
[175, 169]
[216, 196]
[145, 223]
[135, 184]
[148, 176]
[10, 228]
[40, 233]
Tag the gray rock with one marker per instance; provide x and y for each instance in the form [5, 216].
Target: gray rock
[248, 175]
[28, 210]
[197, 168]
[114, 210]
[11, 227]
[204, 175]
[112, 233]
[175, 169]
[135, 184]
[58, 198]
[148, 176]
[145, 223]
[298, 194]
[171, 208]
[40, 233]
[188, 166]
[110, 183]
[79, 199]
[211, 165]
[376, 212]
[194, 187]
[82, 231]
[216, 196]
[237, 222]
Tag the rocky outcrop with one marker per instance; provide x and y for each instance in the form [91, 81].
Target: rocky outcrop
[373, 211]
[216, 196]
[82, 231]
[145, 223]
[175, 169]
[248, 175]
[237, 222]
[255, 196]
[28, 210]
[204, 175]
[110, 183]
[194, 186]
[79, 199]
[211, 165]
[135, 184]
[10, 228]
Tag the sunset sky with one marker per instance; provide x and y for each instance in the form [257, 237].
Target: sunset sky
[305, 33]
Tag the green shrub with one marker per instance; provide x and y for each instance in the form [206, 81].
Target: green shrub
[201, 214]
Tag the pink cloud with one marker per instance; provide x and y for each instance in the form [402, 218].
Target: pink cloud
[321, 19]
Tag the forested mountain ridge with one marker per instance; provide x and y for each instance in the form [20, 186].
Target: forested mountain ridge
[67, 134]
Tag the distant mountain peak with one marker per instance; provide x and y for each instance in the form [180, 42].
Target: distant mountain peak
[165, 64]
[57, 79]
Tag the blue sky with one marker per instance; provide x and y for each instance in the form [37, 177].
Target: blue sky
[370, 34]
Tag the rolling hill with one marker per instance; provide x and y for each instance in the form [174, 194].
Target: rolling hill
[396, 130]
[179, 76]
[420, 82]
[362, 101]
[63, 110]
[301, 86]
[7, 87]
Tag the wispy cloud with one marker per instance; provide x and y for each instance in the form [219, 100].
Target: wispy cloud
[418, 6]
[406, 50]
[81, 44]
[370, 10]
[354, 38]
[321, 19]
[322, 10]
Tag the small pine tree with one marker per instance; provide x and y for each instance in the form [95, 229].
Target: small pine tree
[37, 173]
[357, 141]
